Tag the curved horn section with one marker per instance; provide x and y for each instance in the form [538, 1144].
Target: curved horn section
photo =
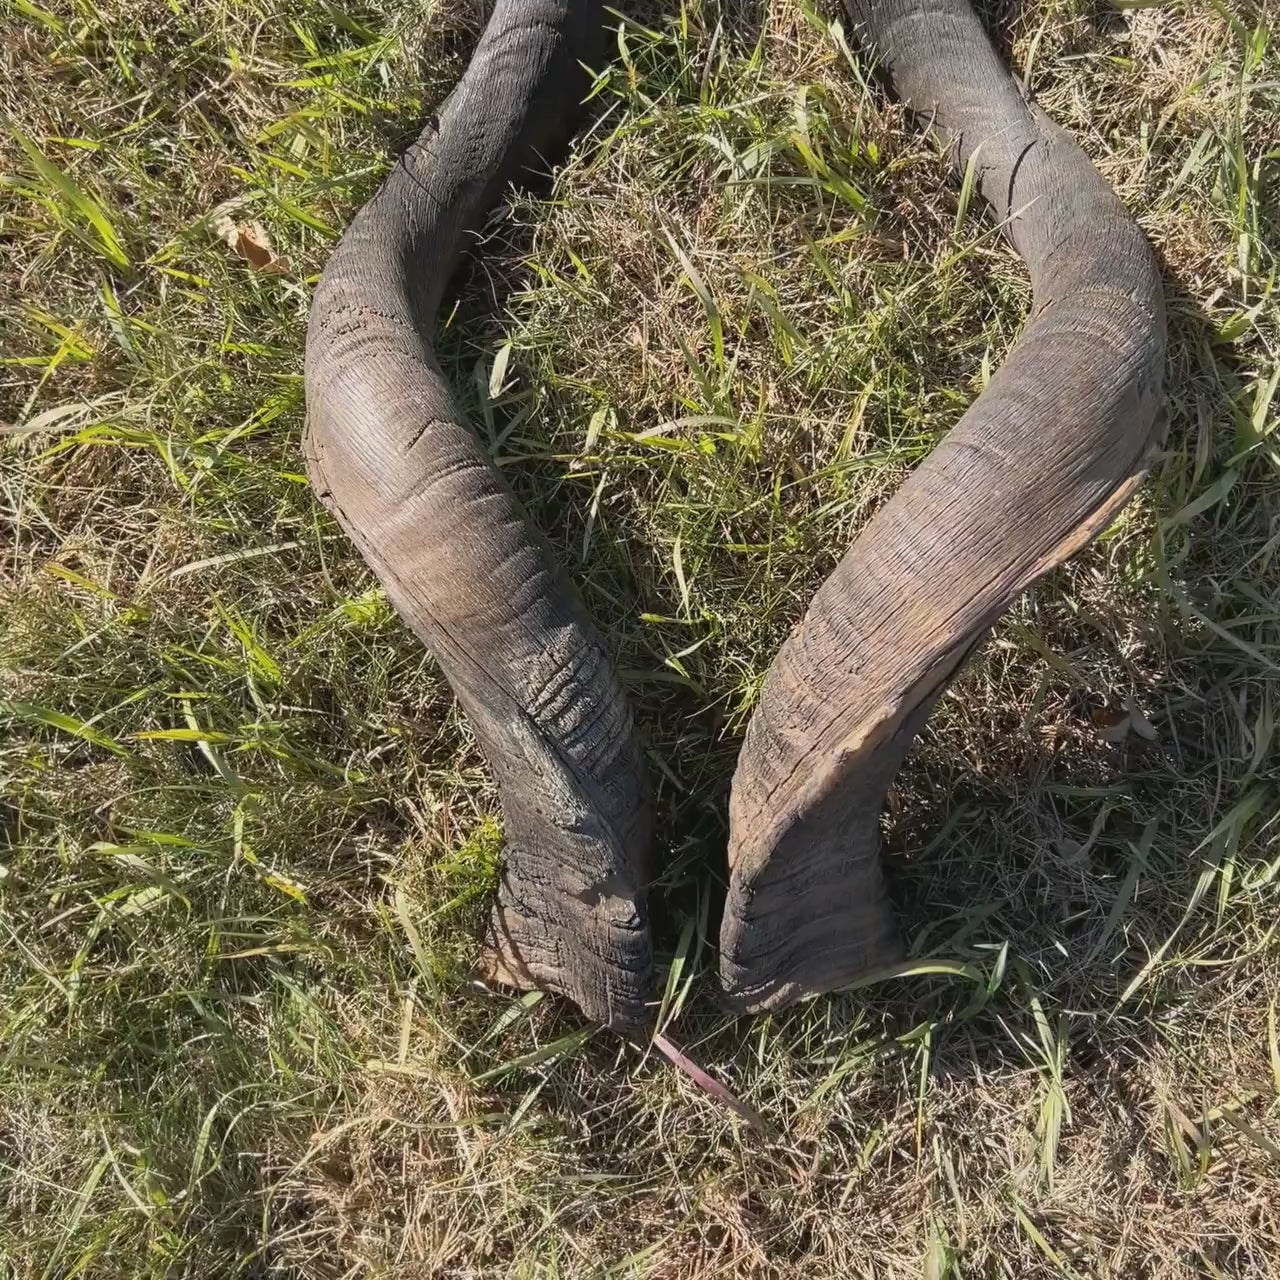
[391, 455]
[1038, 466]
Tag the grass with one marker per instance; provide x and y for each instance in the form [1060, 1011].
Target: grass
[248, 838]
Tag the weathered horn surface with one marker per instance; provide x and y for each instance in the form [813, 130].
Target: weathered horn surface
[1041, 462]
[392, 456]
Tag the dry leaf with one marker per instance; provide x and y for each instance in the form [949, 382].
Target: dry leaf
[250, 241]
[1112, 725]
[1141, 725]
[1116, 725]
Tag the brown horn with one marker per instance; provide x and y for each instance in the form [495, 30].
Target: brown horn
[1038, 466]
[391, 455]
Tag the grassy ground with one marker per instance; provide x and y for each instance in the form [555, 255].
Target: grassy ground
[248, 838]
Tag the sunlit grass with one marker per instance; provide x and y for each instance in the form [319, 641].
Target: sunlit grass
[249, 840]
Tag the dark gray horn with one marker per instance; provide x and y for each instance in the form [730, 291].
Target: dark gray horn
[1038, 466]
[393, 458]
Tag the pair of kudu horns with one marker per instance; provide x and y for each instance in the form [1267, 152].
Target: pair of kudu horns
[1042, 461]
